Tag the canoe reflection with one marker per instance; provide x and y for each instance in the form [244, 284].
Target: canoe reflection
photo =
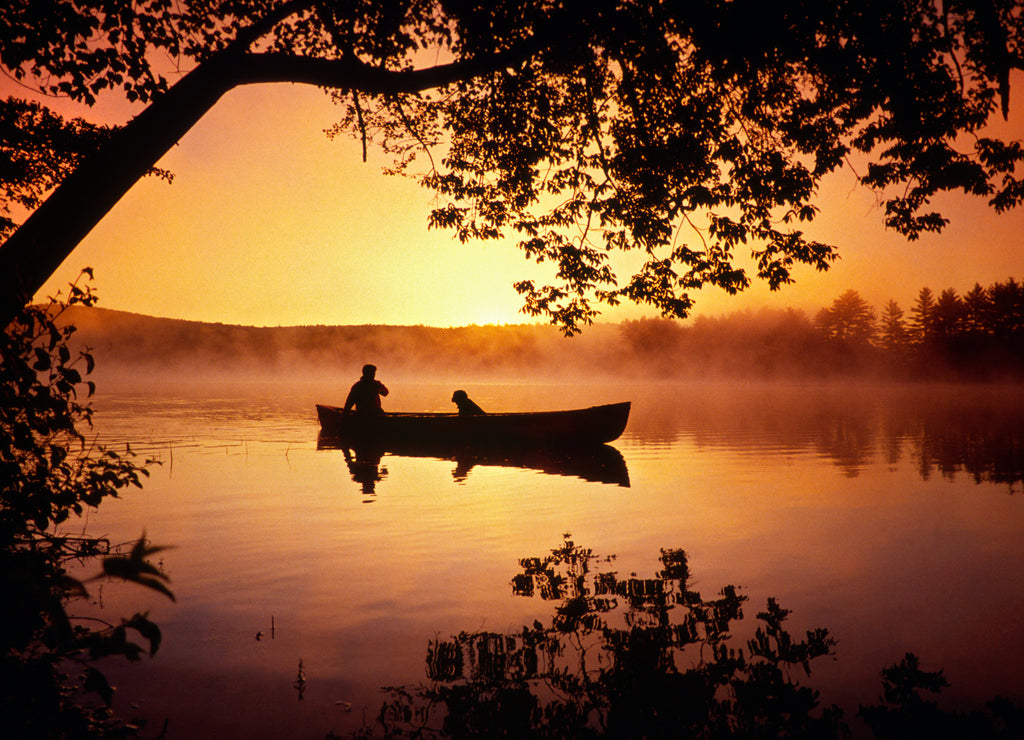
[596, 463]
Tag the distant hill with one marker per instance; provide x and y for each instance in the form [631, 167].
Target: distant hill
[764, 344]
[125, 341]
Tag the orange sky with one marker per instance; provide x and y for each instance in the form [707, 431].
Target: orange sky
[270, 223]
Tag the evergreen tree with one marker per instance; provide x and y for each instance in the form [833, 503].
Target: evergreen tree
[1007, 308]
[893, 328]
[977, 307]
[948, 315]
[850, 320]
[921, 316]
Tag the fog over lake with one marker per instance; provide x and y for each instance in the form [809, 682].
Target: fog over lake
[888, 514]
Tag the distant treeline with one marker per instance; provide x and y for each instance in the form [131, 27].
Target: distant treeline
[978, 336]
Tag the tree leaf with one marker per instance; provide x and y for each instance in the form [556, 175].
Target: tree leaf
[141, 624]
[96, 682]
[42, 362]
[137, 569]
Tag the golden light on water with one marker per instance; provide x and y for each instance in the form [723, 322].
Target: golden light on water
[272, 530]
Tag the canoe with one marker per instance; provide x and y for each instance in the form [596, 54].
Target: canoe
[576, 427]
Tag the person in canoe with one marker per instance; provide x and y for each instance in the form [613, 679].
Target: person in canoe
[466, 406]
[365, 394]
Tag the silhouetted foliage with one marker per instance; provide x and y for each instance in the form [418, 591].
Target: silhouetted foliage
[40, 149]
[979, 336]
[893, 339]
[684, 132]
[641, 657]
[922, 316]
[906, 711]
[621, 657]
[849, 321]
[49, 472]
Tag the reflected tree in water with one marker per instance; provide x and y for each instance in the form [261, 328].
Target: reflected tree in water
[651, 658]
[987, 446]
[941, 430]
[906, 710]
[620, 657]
[980, 437]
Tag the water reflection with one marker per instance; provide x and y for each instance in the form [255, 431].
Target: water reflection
[977, 431]
[652, 658]
[595, 463]
[364, 466]
[886, 564]
[987, 449]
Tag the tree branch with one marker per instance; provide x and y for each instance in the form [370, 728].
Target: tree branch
[351, 73]
[52, 231]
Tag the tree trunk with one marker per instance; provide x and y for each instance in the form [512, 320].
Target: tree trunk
[35, 251]
[59, 224]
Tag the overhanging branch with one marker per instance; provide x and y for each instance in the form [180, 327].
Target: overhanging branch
[349, 73]
[35, 251]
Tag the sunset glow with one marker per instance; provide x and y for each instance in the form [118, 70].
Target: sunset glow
[350, 482]
[270, 223]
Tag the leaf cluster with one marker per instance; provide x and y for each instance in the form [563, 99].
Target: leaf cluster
[692, 133]
[691, 136]
[49, 471]
[77, 49]
[38, 149]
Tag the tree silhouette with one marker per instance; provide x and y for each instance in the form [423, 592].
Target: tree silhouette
[977, 308]
[50, 472]
[947, 319]
[1007, 308]
[850, 320]
[621, 658]
[893, 329]
[684, 132]
[922, 316]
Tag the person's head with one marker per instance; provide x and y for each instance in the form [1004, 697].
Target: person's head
[369, 371]
[459, 396]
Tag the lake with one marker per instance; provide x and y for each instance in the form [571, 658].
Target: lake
[306, 580]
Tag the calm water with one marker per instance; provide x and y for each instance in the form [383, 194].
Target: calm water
[893, 517]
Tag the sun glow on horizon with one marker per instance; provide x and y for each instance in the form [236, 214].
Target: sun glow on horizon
[269, 223]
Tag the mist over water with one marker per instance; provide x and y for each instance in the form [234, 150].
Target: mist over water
[128, 346]
[886, 512]
[778, 346]
[770, 345]
[889, 514]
